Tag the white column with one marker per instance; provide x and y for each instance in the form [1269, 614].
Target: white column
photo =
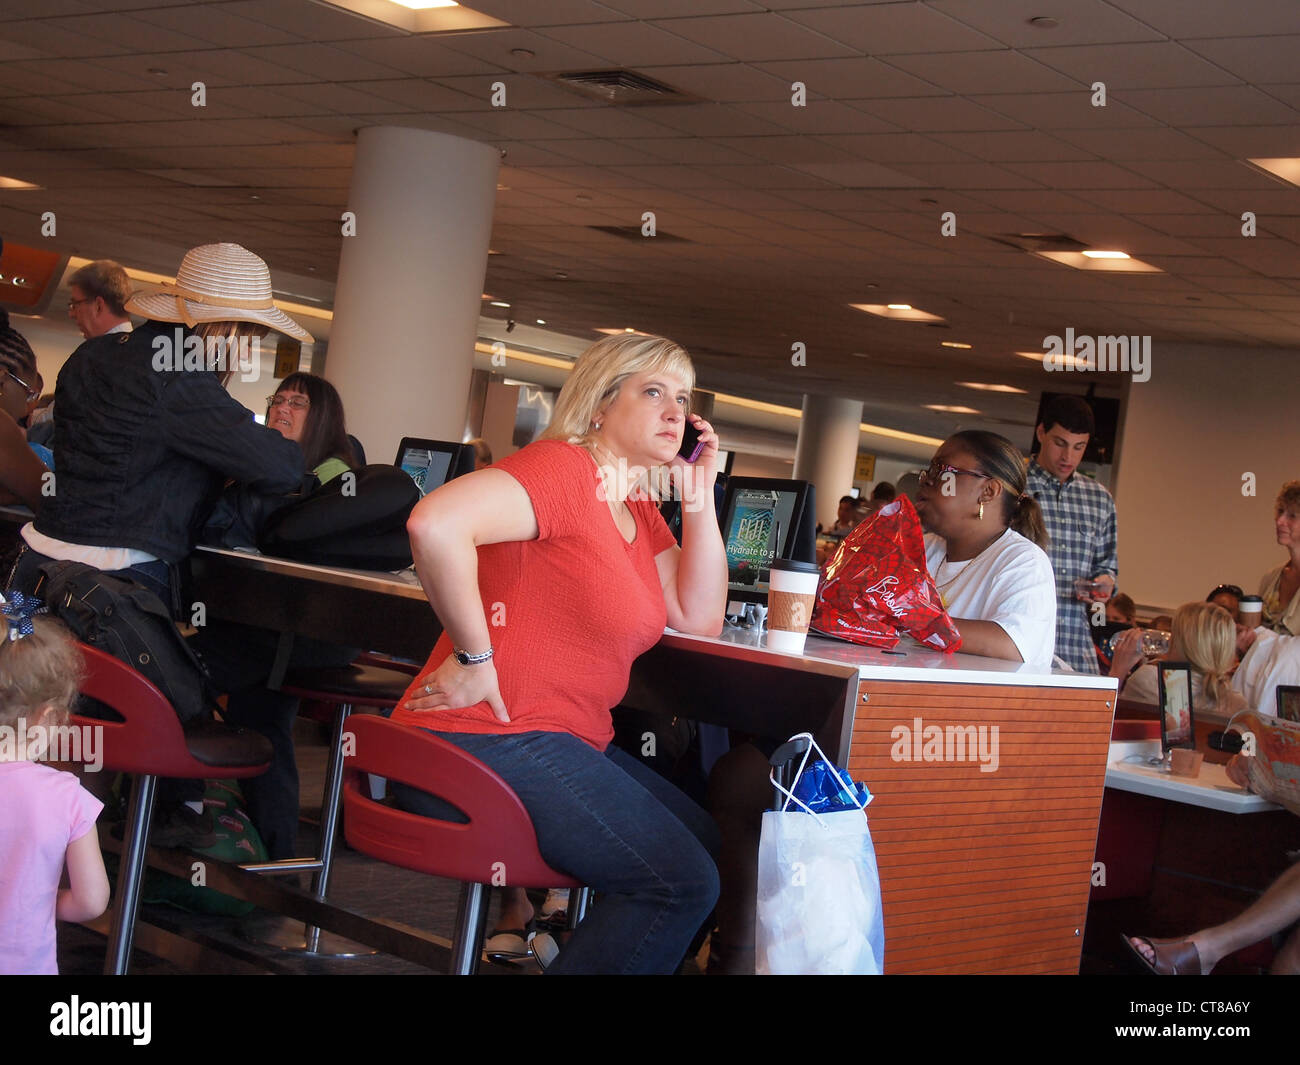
[827, 449]
[406, 306]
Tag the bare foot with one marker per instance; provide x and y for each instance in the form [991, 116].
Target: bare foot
[1180, 957]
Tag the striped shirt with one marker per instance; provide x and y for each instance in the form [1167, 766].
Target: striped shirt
[1080, 518]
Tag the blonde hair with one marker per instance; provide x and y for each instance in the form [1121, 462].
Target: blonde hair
[1204, 634]
[600, 372]
[39, 670]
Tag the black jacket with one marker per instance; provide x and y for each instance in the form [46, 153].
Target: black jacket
[142, 452]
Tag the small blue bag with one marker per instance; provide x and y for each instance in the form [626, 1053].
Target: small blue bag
[821, 792]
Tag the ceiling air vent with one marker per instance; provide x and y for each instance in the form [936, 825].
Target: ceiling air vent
[634, 233]
[621, 87]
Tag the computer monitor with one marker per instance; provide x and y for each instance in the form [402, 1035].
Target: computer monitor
[432, 463]
[763, 519]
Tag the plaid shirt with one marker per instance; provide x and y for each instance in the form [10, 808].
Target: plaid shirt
[1080, 517]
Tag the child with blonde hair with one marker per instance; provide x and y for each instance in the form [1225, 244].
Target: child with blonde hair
[47, 819]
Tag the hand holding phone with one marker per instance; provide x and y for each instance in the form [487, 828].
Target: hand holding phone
[691, 445]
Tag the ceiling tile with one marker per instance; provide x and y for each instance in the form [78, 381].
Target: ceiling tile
[215, 25]
[1084, 175]
[321, 61]
[725, 82]
[1207, 174]
[851, 79]
[1134, 66]
[757, 37]
[497, 48]
[1082, 22]
[1124, 144]
[1260, 60]
[1182, 20]
[1068, 110]
[817, 117]
[633, 44]
[714, 120]
[938, 114]
[645, 9]
[897, 147]
[1013, 146]
[311, 21]
[969, 176]
[894, 28]
[57, 41]
[1251, 142]
[984, 72]
[550, 13]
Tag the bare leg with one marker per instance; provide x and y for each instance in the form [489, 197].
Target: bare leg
[1278, 907]
[516, 909]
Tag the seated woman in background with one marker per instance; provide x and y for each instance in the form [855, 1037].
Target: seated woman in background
[1278, 587]
[984, 546]
[1227, 596]
[1204, 635]
[21, 471]
[308, 411]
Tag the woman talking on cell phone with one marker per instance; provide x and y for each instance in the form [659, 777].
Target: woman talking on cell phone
[551, 574]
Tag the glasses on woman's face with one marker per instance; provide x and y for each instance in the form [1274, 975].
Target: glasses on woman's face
[295, 402]
[30, 392]
[934, 473]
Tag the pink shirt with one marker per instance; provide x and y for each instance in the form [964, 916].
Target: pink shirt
[42, 810]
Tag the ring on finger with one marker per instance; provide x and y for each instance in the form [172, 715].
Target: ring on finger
[428, 689]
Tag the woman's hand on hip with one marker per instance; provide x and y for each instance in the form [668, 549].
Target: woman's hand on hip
[452, 686]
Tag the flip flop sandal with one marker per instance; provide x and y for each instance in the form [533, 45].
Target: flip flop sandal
[545, 950]
[509, 944]
[1174, 957]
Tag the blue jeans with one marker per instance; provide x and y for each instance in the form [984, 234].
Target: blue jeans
[619, 828]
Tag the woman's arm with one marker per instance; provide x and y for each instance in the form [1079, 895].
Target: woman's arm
[694, 576]
[87, 895]
[446, 528]
[986, 638]
[21, 472]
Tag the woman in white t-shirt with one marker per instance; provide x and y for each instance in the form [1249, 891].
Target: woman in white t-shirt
[984, 547]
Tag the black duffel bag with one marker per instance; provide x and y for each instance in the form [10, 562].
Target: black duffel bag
[358, 520]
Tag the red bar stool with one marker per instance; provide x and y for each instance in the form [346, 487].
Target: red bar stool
[498, 846]
[369, 682]
[150, 744]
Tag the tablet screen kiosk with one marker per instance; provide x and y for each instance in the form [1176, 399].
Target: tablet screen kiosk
[1288, 702]
[1176, 725]
[432, 463]
[764, 519]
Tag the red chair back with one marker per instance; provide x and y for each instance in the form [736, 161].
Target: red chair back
[1125, 729]
[150, 741]
[498, 846]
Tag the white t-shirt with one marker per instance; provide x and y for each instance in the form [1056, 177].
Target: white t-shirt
[1010, 582]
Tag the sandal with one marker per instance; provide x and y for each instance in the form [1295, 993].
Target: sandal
[509, 944]
[1174, 957]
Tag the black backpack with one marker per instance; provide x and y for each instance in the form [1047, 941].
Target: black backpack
[126, 620]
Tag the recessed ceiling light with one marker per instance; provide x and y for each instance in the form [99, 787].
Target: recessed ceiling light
[582, 197]
[425, 5]
[1075, 361]
[953, 344]
[950, 410]
[500, 303]
[1286, 169]
[620, 332]
[1114, 262]
[980, 386]
[16, 183]
[485, 296]
[1044, 22]
[541, 321]
[899, 312]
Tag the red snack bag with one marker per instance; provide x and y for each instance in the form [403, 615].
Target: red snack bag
[877, 585]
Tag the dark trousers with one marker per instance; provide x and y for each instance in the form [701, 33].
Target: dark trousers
[239, 659]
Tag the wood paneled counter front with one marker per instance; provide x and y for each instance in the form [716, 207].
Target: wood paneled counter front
[987, 777]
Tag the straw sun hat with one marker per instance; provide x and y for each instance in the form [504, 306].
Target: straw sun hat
[218, 283]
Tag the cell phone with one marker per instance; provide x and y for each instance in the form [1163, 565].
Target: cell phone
[691, 446]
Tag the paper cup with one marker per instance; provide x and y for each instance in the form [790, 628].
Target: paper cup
[1184, 762]
[1251, 609]
[791, 593]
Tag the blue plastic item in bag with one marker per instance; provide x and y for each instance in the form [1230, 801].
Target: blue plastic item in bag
[822, 793]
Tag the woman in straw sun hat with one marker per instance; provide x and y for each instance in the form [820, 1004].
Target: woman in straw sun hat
[146, 435]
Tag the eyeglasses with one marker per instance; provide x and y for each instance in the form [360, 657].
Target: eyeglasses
[295, 402]
[932, 473]
[31, 392]
[77, 303]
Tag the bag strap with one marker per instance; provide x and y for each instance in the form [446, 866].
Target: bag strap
[790, 795]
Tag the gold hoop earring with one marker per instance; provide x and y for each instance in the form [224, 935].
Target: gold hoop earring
[981, 518]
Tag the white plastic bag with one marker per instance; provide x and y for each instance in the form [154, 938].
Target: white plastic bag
[819, 906]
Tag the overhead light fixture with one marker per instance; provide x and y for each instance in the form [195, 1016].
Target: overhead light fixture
[1286, 169]
[16, 183]
[1076, 362]
[899, 312]
[499, 303]
[418, 16]
[954, 344]
[980, 386]
[1113, 261]
[950, 410]
[541, 321]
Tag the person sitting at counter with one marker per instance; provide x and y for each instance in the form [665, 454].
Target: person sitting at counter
[1204, 635]
[307, 410]
[143, 444]
[985, 549]
[21, 471]
[1279, 586]
[1229, 597]
[579, 576]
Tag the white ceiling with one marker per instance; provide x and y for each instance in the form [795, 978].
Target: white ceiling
[789, 214]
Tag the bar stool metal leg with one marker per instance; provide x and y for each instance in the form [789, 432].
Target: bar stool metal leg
[471, 927]
[130, 875]
[329, 820]
[579, 900]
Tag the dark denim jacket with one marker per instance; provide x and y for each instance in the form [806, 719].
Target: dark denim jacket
[142, 452]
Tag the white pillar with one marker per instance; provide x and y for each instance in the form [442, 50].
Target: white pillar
[406, 306]
[827, 449]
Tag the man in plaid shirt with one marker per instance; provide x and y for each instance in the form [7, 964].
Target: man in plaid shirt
[1080, 518]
